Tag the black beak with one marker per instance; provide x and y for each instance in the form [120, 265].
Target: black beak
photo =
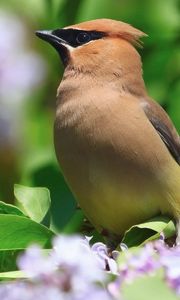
[58, 43]
[50, 37]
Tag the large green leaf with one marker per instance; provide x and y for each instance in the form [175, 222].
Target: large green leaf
[18, 232]
[148, 288]
[139, 234]
[34, 201]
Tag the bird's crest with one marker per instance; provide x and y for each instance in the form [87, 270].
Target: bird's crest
[113, 28]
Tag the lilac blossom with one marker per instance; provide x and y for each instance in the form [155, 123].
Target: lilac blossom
[71, 270]
[27, 291]
[21, 70]
[146, 261]
[74, 254]
[170, 260]
[107, 262]
[35, 263]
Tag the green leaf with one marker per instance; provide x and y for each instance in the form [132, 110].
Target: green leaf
[12, 275]
[18, 232]
[34, 201]
[148, 288]
[63, 205]
[10, 209]
[8, 260]
[139, 234]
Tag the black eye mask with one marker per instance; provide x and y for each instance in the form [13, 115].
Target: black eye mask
[75, 37]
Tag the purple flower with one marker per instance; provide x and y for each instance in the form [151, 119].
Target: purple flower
[95, 294]
[27, 291]
[144, 262]
[71, 268]
[34, 263]
[75, 253]
[138, 264]
[170, 260]
[107, 262]
[21, 70]
[114, 287]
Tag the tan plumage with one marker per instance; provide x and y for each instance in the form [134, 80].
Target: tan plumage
[118, 149]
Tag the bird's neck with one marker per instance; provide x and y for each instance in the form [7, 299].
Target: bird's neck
[82, 87]
[125, 80]
[132, 80]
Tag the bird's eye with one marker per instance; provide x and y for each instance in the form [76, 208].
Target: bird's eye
[83, 37]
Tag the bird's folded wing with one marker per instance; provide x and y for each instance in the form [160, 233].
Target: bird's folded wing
[162, 123]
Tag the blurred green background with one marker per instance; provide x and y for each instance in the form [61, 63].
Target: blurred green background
[30, 72]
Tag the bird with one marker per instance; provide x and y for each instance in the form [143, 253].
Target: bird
[117, 147]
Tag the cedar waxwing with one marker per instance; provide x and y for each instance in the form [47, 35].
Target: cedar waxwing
[118, 149]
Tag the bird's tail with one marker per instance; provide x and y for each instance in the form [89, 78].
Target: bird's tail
[170, 202]
[174, 192]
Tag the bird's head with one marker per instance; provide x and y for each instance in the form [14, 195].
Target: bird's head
[89, 45]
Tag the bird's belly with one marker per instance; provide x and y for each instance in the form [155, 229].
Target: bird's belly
[112, 194]
[115, 202]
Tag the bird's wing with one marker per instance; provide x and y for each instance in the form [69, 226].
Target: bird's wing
[162, 123]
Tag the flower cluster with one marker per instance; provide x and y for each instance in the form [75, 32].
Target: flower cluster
[74, 270]
[71, 270]
[170, 260]
[147, 261]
